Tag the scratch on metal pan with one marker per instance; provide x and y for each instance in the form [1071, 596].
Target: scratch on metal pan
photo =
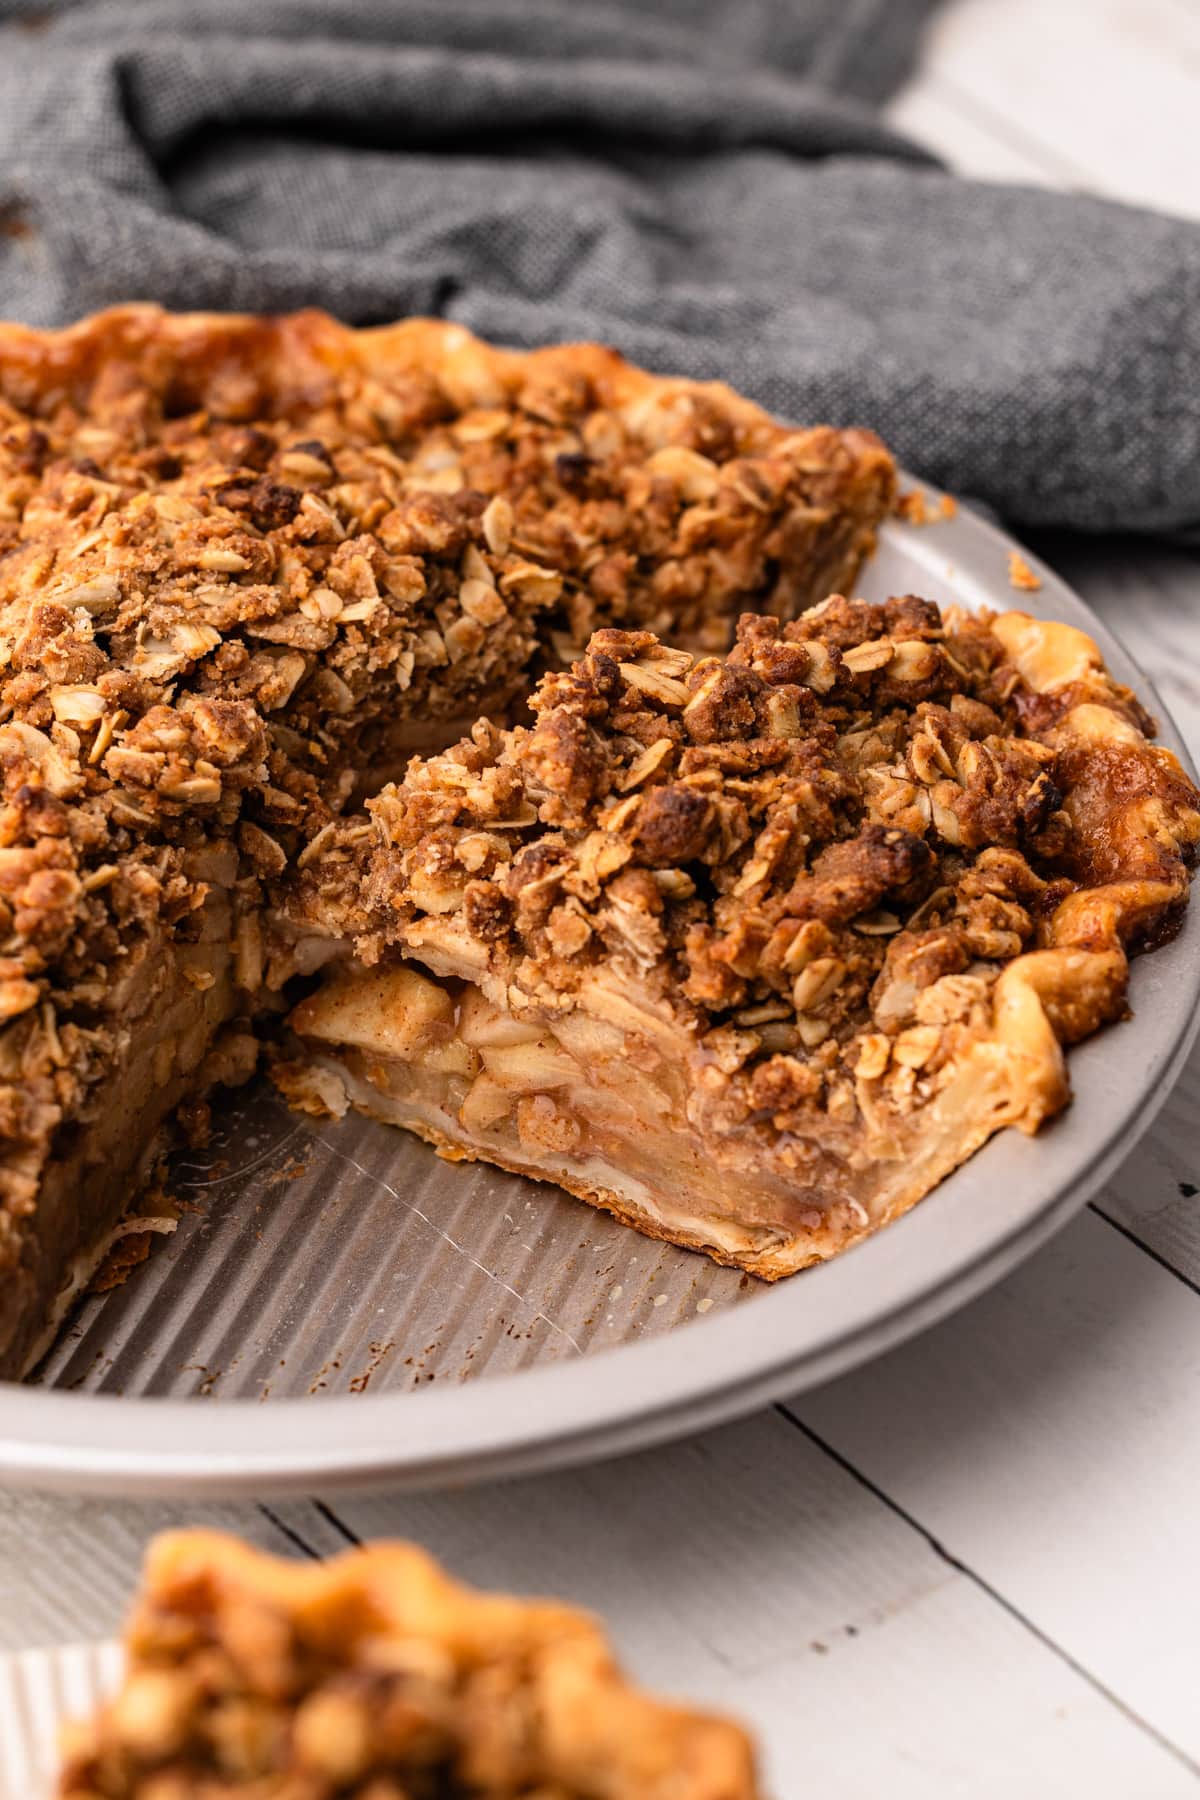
[453, 1242]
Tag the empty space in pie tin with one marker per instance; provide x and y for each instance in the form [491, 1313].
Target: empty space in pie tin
[414, 1321]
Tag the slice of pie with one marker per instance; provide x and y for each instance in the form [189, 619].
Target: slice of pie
[750, 951]
[245, 566]
[376, 1677]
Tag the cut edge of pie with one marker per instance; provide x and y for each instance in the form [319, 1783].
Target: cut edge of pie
[376, 1672]
[246, 564]
[751, 953]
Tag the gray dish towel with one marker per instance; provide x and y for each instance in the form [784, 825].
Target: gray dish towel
[704, 183]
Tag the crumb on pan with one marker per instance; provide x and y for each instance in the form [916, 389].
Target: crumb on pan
[1021, 576]
[914, 508]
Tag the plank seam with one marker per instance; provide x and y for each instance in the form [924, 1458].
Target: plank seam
[985, 1587]
[1155, 1255]
[293, 1537]
[339, 1525]
[1009, 132]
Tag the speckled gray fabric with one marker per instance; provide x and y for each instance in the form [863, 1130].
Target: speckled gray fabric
[706, 185]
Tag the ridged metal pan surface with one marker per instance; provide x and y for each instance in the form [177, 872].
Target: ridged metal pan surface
[339, 1307]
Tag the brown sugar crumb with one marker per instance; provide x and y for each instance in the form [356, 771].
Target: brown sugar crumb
[1021, 576]
[121, 1261]
[129, 1252]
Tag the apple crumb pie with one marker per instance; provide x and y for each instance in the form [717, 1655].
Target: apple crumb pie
[246, 566]
[750, 950]
[376, 1677]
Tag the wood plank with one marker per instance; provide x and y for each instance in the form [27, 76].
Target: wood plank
[1105, 87]
[1046, 1436]
[981, 146]
[746, 1569]
[1155, 1195]
[68, 1567]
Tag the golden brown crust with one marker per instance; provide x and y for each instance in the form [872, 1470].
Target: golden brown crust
[376, 1676]
[245, 565]
[852, 887]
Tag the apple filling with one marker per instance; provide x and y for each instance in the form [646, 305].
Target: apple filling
[603, 1099]
[589, 1102]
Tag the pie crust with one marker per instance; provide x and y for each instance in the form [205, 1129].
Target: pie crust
[750, 951]
[246, 565]
[375, 1675]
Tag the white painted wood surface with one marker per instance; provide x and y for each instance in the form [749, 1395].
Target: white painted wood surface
[1101, 95]
[970, 1568]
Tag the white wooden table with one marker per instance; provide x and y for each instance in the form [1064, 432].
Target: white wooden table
[971, 1568]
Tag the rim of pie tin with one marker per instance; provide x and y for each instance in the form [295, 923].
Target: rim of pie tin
[976, 1226]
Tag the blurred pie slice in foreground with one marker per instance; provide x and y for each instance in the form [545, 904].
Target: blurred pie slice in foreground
[376, 1677]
